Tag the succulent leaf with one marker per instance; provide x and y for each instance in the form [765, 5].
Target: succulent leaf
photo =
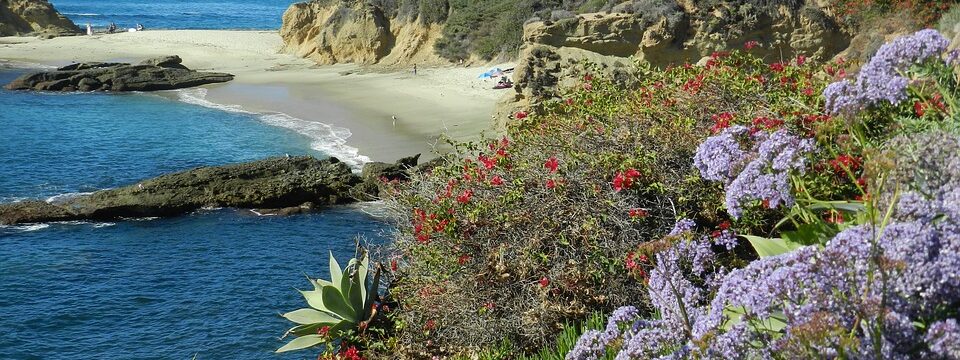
[334, 300]
[311, 316]
[302, 342]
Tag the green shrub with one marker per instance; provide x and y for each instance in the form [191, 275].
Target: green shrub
[515, 237]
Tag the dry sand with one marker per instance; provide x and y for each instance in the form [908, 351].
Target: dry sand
[315, 100]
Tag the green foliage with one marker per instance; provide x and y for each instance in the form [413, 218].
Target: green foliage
[567, 339]
[338, 306]
[512, 238]
[924, 13]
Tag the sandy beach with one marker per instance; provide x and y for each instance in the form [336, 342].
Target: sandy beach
[319, 101]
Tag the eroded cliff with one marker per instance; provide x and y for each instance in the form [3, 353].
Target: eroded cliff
[330, 32]
[23, 17]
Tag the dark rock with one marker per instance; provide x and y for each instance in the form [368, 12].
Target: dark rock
[374, 174]
[170, 62]
[89, 84]
[275, 183]
[163, 73]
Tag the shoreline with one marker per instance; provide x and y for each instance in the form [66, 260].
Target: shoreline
[438, 100]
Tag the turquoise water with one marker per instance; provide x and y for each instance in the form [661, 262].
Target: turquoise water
[208, 284]
[176, 14]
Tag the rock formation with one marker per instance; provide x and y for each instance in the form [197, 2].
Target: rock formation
[330, 32]
[555, 52]
[22, 17]
[164, 73]
[279, 186]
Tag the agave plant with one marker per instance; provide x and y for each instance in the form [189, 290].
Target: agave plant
[343, 303]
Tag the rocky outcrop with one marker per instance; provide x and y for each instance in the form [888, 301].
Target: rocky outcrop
[274, 186]
[556, 53]
[330, 32]
[270, 183]
[375, 174]
[23, 17]
[164, 73]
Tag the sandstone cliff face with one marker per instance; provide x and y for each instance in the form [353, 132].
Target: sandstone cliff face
[22, 17]
[556, 51]
[355, 32]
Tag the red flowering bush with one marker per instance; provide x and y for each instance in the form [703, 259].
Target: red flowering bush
[512, 237]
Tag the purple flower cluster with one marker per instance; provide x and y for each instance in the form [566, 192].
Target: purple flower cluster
[863, 294]
[720, 157]
[765, 175]
[589, 347]
[682, 226]
[726, 238]
[944, 339]
[881, 79]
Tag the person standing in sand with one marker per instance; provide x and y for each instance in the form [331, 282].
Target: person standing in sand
[414, 69]
[89, 29]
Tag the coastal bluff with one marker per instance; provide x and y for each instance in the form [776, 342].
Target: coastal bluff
[23, 17]
[162, 73]
[275, 186]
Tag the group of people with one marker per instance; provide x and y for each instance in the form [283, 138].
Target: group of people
[113, 28]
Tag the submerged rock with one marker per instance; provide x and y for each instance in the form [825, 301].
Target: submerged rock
[163, 73]
[274, 183]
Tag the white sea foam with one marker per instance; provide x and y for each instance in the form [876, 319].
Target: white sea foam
[328, 139]
[31, 227]
[261, 214]
[103, 224]
[65, 197]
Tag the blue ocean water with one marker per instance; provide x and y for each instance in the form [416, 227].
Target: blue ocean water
[176, 14]
[210, 284]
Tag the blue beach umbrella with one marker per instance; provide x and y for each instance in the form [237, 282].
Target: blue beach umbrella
[492, 73]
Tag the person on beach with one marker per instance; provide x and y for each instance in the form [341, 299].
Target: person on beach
[139, 27]
[414, 69]
[113, 28]
[89, 29]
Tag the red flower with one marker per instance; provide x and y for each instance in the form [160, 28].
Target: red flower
[919, 108]
[551, 184]
[587, 77]
[496, 180]
[520, 115]
[588, 87]
[423, 238]
[750, 44]
[442, 225]
[724, 225]
[463, 259]
[352, 354]
[630, 263]
[808, 91]
[720, 121]
[777, 67]
[393, 265]
[569, 102]
[488, 306]
[544, 282]
[324, 331]
[487, 162]
[845, 161]
[767, 122]
[625, 180]
[551, 164]
[465, 196]
[639, 213]
[430, 325]
[801, 60]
